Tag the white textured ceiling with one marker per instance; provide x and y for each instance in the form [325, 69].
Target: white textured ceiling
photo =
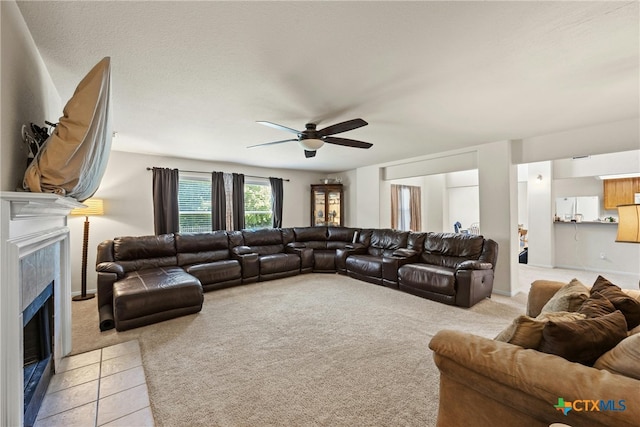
[190, 79]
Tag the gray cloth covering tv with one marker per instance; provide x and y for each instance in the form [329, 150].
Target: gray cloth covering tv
[73, 159]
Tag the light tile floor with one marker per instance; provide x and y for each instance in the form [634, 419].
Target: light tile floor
[105, 387]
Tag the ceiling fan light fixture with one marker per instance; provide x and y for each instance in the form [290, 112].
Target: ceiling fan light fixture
[311, 144]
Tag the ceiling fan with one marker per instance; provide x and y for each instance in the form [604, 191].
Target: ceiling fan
[311, 139]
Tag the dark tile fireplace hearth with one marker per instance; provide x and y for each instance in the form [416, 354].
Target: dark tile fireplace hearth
[37, 351]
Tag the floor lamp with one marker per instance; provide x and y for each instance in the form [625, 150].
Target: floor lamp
[93, 207]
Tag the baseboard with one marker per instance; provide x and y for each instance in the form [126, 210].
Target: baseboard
[506, 294]
[541, 265]
[599, 270]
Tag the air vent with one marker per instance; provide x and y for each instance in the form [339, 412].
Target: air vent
[580, 157]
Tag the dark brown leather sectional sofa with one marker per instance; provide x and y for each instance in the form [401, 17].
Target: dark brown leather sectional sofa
[143, 280]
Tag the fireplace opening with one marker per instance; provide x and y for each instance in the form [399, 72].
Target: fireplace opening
[38, 351]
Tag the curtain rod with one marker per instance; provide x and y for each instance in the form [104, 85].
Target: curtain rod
[250, 176]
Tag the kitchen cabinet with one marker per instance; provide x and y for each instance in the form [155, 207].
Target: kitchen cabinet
[620, 191]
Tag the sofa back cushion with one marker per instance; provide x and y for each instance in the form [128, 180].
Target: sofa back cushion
[306, 234]
[137, 253]
[266, 241]
[312, 237]
[341, 234]
[416, 240]
[194, 248]
[385, 241]
[450, 249]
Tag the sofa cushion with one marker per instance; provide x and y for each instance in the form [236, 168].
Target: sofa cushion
[342, 234]
[305, 234]
[278, 263]
[262, 237]
[215, 272]
[629, 306]
[367, 265]
[596, 305]
[146, 292]
[526, 331]
[427, 277]
[584, 341]
[384, 241]
[202, 247]
[143, 247]
[144, 252]
[570, 297]
[623, 359]
[450, 249]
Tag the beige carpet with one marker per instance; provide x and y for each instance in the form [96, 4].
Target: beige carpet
[311, 350]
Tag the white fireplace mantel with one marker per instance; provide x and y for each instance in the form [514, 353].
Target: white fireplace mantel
[30, 222]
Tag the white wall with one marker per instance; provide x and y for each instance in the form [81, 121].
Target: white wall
[27, 94]
[623, 135]
[126, 190]
[541, 206]
[368, 197]
[462, 199]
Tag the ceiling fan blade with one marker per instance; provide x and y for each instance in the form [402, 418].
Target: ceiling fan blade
[309, 153]
[277, 126]
[347, 142]
[271, 143]
[342, 127]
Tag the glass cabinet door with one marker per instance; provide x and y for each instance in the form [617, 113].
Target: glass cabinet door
[319, 209]
[333, 209]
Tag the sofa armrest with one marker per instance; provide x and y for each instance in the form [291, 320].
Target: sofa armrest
[355, 246]
[111, 267]
[474, 265]
[390, 266]
[472, 286]
[527, 382]
[249, 263]
[241, 250]
[305, 254]
[405, 253]
[296, 245]
[540, 292]
[343, 253]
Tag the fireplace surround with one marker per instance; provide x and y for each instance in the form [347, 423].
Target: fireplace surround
[34, 263]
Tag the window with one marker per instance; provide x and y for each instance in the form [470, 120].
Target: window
[194, 203]
[405, 207]
[257, 205]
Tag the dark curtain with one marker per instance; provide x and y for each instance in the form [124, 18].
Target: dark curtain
[218, 202]
[276, 201]
[166, 214]
[238, 201]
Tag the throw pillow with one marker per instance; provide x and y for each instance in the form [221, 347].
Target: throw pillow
[568, 298]
[623, 359]
[583, 341]
[628, 305]
[596, 305]
[526, 331]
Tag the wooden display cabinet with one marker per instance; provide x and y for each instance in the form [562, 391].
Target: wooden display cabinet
[327, 207]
